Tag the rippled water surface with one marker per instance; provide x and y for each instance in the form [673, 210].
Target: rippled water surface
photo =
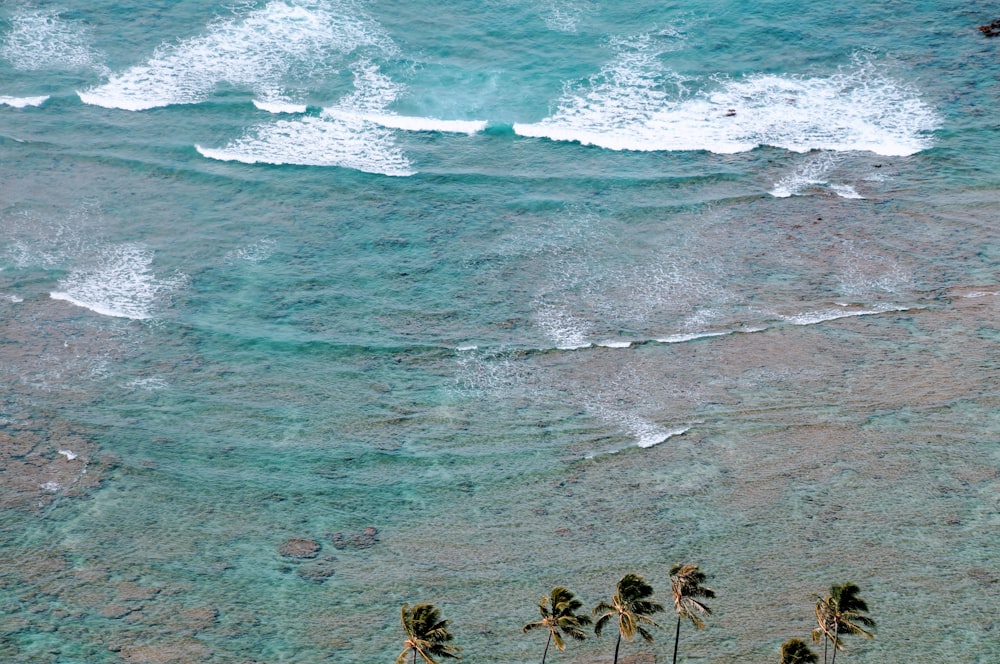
[485, 297]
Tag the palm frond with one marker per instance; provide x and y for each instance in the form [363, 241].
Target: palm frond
[601, 622]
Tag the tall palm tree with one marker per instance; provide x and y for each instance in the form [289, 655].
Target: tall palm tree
[685, 582]
[632, 607]
[426, 635]
[795, 651]
[841, 613]
[558, 611]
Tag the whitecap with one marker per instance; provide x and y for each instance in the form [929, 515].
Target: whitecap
[23, 102]
[843, 311]
[645, 433]
[691, 336]
[119, 283]
[813, 174]
[51, 487]
[810, 173]
[339, 136]
[615, 343]
[279, 44]
[280, 106]
[846, 191]
[628, 107]
[317, 141]
[69, 454]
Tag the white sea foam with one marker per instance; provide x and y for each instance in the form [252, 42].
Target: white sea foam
[41, 39]
[808, 174]
[629, 106]
[279, 106]
[846, 191]
[565, 330]
[409, 123]
[645, 433]
[318, 141]
[813, 174]
[691, 336]
[614, 343]
[266, 50]
[149, 384]
[119, 282]
[564, 15]
[69, 454]
[838, 312]
[51, 487]
[23, 102]
[866, 273]
[253, 253]
[339, 136]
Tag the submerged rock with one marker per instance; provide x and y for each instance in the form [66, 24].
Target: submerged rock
[317, 572]
[365, 539]
[991, 29]
[298, 547]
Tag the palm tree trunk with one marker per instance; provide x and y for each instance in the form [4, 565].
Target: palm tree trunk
[547, 642]
[826, 644]
[677, 638]
[834, 649]
[415, 656]
[617, 645]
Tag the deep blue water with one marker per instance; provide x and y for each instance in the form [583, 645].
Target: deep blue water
[545, 292]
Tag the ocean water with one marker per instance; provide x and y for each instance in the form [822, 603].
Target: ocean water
[542, 292]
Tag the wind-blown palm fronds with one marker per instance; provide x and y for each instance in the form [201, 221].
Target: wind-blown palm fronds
[558, 611]
[632, 607]
[839, 614]
[685, 583]
[427, 635]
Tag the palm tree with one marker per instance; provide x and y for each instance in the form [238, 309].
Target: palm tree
[426, 635]
[795, 651]
[632, 607]
[558, 611]
[841, 613]
[685, 582]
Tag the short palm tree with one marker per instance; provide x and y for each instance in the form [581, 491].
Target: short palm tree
[631, 606]
[558, 611]
[426, 635]
[685, 582]
[795, 651]
[841, 613]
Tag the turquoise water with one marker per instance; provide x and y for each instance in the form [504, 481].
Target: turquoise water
[544, 292]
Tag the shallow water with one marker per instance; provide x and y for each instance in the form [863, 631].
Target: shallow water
[510, 283]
